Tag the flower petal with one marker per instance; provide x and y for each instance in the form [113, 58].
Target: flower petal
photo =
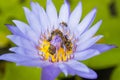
[77, 65]
[75, 16]
[21, 26]
[33, 21]
[12, 57]
[50, 73]
[52, 13]
[24, 60]
[85, 23]
[102, 47]
[86, 54]
[90, 75]
[64, 12]
[34, 8]
[43, 17]
[27, 31]
[90, 33]
[35, 62]
[88, 43]
[63, 68]
[15, 30]
[22, 42]
[23, 51]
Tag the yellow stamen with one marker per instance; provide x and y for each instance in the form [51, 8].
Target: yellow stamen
[60, 55]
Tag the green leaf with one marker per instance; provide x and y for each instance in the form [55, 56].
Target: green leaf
[9, 10]
[14, 72]
[115, 74]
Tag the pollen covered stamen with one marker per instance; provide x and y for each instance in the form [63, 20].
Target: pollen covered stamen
[57, 47]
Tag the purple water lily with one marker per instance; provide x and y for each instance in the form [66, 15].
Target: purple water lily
[56, 43]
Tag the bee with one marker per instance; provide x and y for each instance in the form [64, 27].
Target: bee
[54, 33]
[63, 24]
[65, 41]
[52, 49]
[57, 32]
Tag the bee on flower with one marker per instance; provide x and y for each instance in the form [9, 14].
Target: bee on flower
[56, 42]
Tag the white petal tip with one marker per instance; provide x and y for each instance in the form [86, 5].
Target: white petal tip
[9, 36]
[49, 1]
[95, 9]
[14, 21]
[25, 8]
[100, 21]
[101, 36]
[32, 3]
[80, 3]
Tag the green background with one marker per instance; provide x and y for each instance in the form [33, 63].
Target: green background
[107, 10]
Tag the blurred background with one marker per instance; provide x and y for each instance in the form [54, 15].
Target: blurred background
[107, 65]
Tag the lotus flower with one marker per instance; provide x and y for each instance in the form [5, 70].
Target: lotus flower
[56, 42]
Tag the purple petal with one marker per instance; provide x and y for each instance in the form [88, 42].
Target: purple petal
[35, 62]
[51, 10]
[90, 33]
[12, 57]
[22, 42]
[102, 47]
[85, 23]
[21, 26]
[23, 51]
[77, 65]
[70, 70]
[63, 68]
[33, 21]
[15, 30]
[75, 16]
[26, 33]
[24, 60]
[50, 73]
[44, 21]
[34, 9]
[86, 54]
[86, 44]
[90, 75]
[38, 19]
[26, 30]
[64, 12]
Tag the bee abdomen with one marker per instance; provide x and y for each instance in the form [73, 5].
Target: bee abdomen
[52, 49]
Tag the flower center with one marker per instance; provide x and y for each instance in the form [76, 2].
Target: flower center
[57, 47]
